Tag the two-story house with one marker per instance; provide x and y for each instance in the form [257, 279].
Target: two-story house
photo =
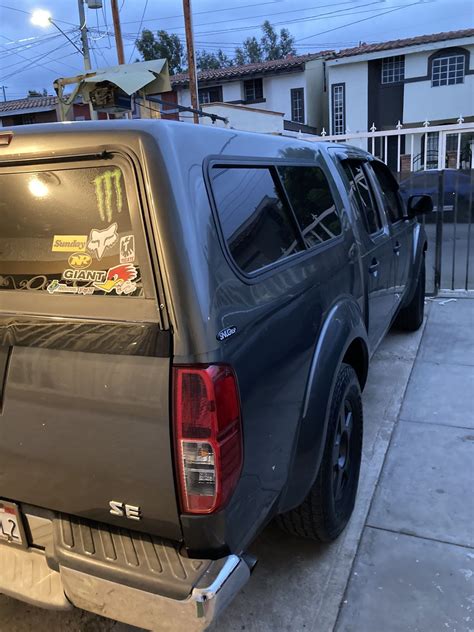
[426, 78]
[291, 86]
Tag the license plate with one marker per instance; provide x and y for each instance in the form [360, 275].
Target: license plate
[11, 526]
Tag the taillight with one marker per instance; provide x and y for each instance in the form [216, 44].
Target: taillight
[208, 436]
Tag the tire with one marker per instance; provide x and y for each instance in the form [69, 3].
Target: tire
[326, 510]
[411, 317]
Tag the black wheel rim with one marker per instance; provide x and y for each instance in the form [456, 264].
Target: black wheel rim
[342, 452]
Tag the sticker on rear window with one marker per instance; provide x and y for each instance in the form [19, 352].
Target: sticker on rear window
[127, 249]
[102, 240]
[69, 243]
[108, 191]
[119, 278]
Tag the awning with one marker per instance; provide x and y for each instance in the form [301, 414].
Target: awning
[151, 77]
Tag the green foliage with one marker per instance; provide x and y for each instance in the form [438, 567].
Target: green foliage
[272, 45]
[163, 46]
[212, 61]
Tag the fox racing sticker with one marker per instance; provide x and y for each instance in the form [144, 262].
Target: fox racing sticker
[102, 240]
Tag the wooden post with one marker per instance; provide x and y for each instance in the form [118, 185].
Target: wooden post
[118, 32]
[193, 85]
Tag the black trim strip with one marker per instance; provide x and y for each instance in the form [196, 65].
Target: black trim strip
[89, 336]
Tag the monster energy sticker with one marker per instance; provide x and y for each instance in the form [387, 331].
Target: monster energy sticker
[106, 185]
[120, 279]
[127, 249]
[102, 240]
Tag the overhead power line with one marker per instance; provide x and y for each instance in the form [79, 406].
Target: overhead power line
[138, 32]
[372, 17]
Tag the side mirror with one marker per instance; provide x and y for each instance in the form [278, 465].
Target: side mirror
[419, 205]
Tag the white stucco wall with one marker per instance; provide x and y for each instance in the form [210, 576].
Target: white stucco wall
[422, 101]
[276, 92]
[246, 119]
[355, 77]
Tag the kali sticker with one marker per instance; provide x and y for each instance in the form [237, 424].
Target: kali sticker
[80, 260]
[119, 278]
[127, 249]
[69, 243]
[102, 240]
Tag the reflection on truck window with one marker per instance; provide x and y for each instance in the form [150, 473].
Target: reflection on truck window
[68, 231]
[361, 193]
[310, 196]
[255, 220]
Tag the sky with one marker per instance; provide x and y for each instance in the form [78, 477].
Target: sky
[31, 57]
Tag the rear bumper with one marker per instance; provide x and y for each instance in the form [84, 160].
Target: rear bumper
[25, 575]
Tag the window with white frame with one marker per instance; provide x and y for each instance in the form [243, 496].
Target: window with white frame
[210, 95]
[447, 70]
[297, 105]
[393, 69]
[338, 108]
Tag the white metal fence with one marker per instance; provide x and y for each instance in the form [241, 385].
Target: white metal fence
[414, 148]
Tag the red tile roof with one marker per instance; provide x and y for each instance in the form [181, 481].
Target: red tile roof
[402, 43]
[29, 103]
[295, 62]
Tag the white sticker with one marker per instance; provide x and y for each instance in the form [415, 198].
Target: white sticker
[102, 240]
[127, 249]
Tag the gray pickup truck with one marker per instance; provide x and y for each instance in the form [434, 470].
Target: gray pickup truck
[186, 320]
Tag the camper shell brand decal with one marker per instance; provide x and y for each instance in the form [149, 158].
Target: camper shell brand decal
[226, 333]
[106, 185]
[102, 240]
[69, 243]
[55, 287]
[127, 249]
[79, 260]
[98, 276]
[120, 278]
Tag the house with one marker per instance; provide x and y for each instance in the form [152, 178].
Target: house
[39, 110]
[429, 78]
[29, 110]
[293, 86]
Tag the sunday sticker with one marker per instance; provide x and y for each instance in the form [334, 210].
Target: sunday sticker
[69, 243]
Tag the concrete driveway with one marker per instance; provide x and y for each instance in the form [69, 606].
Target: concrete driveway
[297, 585]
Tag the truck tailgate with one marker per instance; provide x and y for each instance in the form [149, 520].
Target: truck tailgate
[79, 430]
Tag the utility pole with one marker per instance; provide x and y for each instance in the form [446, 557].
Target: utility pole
[4, 94]
[85, 48]
[193, 84]
[118, 32]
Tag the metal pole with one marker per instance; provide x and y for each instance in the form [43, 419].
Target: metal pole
[118, 32]
[439, 233]
[193, 84]
[4, 94]
[85, 47]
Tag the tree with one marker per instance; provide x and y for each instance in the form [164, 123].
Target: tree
[212, 61]
[35, 93]
[250, 53]
[287, 43]
[163, 46]
[269, 42]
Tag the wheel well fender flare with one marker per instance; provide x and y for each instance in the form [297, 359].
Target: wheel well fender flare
[342, 338]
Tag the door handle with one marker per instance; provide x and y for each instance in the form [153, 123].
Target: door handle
[374, 267]
[396, 248]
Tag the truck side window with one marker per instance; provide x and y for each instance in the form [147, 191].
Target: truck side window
[68, 231]
[257, 224]
[311, 198]
[361, 191]
[389, 188]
